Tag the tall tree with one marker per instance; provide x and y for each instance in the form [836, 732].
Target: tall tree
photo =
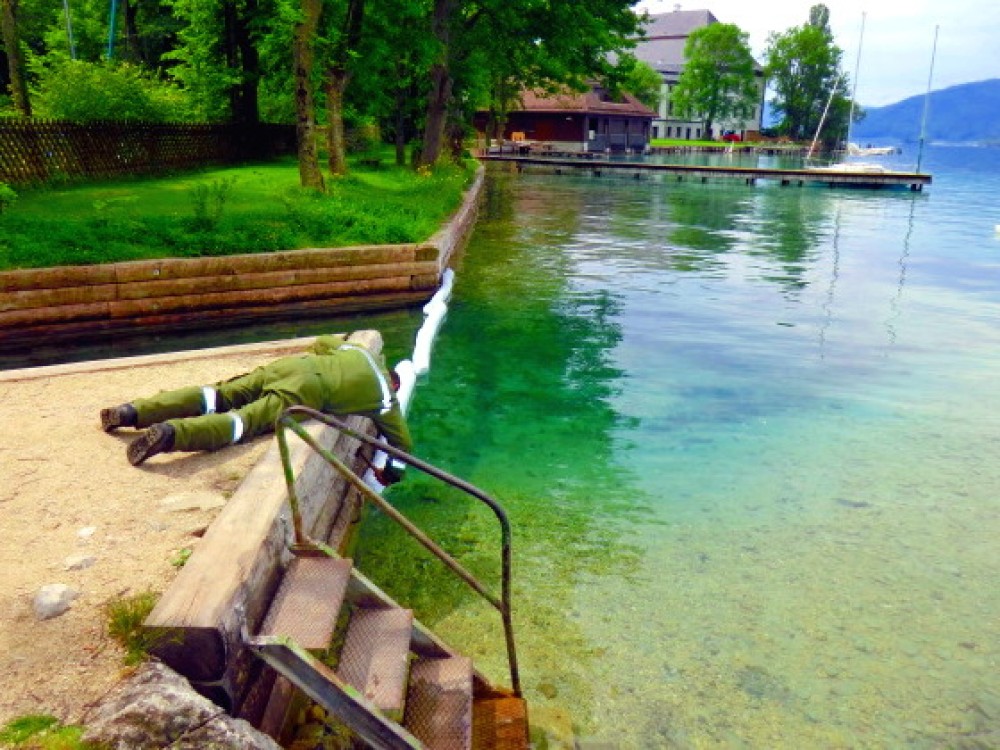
[241, 56]
[527, 44]
[443, 16]
[303, 58]
[717, 82]
[803, 66]
[346, 38]
[216, 58]
[637, 78]
[15, 59]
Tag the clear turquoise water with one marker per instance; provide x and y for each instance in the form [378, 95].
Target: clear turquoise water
[748, 438]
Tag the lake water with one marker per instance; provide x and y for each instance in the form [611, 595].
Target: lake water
[749, 440]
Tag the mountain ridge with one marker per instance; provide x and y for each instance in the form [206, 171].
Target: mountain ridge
[965, 113]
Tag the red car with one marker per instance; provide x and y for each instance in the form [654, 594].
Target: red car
[732, 137]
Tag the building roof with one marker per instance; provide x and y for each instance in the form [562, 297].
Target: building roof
[666, 35]
[590, 102]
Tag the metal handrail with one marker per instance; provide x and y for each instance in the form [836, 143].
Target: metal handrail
[287, 420]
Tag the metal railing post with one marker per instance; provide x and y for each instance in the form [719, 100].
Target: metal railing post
[287, 421]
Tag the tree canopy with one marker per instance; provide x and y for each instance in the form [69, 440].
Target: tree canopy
[803, 66]
[718, 78]
[413, 71]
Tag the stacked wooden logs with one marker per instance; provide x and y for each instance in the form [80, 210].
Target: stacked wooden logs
[174, 294]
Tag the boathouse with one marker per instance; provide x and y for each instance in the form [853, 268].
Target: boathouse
[570, 121]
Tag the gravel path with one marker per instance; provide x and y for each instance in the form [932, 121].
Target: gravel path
[74, 512]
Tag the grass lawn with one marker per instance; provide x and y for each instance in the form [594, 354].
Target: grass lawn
[226, 210]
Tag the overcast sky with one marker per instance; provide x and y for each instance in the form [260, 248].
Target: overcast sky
[897, 44]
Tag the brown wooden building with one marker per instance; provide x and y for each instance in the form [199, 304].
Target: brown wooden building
[592, 121]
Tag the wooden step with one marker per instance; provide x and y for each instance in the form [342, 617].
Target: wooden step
[500, 722]
[307, 602]
[439, 703]
[374, 658]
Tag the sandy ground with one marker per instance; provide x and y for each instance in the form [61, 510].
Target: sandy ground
[67, 491]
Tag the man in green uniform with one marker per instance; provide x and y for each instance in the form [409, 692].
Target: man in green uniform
[335, 377]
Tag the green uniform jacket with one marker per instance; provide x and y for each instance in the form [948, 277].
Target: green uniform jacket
[336, 377]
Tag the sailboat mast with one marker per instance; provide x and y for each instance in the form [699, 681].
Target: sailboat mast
[854, 90]
[927, 99]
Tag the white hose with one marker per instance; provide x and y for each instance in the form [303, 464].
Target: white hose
[409, 369]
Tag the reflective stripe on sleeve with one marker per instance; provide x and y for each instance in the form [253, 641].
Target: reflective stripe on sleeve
[383, 383]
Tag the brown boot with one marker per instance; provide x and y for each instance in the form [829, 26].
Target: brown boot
[118, 416]
[157, 439]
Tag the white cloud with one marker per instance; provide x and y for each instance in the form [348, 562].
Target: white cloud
[898, 39]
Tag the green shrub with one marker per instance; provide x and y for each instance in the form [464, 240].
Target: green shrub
[209, 201]
[364, 136]
[87, 91]
[7, 196]
[125, 618]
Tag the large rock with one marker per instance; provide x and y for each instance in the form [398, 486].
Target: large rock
[155, 708]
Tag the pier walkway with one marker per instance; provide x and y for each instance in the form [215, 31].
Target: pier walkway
[599, 163]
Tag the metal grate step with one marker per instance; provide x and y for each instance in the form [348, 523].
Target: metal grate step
[500, 723]
[439, 703]
[308, 600]
[375, 656]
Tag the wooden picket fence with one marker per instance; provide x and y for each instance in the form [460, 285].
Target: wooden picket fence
[38, 151]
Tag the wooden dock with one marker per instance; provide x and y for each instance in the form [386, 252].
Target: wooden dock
[599, 164]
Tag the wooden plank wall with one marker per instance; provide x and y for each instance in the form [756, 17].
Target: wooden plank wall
[176, 293]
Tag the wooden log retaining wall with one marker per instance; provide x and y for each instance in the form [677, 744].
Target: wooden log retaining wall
[78, 302]
[178, 293]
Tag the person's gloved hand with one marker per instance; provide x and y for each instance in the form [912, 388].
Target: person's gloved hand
[385, 476]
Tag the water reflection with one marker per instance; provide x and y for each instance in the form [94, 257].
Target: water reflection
[520, 401]
[723, 464]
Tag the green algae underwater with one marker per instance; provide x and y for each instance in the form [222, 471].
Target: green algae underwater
[747, 439]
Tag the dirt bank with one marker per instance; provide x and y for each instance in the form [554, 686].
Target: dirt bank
[67, 491]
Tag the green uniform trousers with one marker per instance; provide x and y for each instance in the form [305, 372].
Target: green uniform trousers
[347, 380]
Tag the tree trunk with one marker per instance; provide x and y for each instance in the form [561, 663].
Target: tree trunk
[337, 77]
[132, 51]
[440, 76]
[437, 112]
[402, 94]
[305, 114]
[242, 55]
[336, 84]
[400, 140]
[15, 61]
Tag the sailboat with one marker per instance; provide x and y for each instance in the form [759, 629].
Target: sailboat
[850, 167]
[853, 149]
